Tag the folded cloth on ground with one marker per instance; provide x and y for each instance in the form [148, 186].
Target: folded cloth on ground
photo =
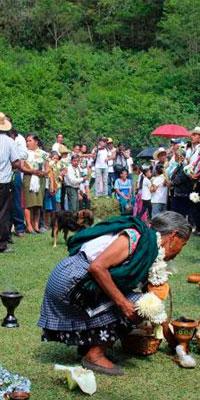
[78, 376]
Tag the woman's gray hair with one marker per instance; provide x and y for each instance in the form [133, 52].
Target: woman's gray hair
[170, 221]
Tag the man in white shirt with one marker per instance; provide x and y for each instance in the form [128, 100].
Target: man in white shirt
[9, 159]
[17, 210]
[101, 168]
[59, 141]
[73, 180]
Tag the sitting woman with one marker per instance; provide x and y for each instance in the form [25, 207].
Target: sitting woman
[106, 263]
[124, 192]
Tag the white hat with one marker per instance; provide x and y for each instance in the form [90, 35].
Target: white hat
[196, 130]
[158, 151]
[5, 125]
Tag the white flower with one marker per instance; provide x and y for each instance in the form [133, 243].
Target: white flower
[158, 273]
[104, 336]
[150, 307]
[195, 197]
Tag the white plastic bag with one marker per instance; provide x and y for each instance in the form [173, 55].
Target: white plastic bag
[82, 377]
[34, 184]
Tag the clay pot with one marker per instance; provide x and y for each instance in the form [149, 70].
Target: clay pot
[183, 331]
[19, 395]
[194, 278]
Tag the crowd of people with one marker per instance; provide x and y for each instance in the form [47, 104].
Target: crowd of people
[36, 182]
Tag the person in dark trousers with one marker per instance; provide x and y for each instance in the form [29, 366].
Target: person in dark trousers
[17, 217]
[9, 159]
[182, 187]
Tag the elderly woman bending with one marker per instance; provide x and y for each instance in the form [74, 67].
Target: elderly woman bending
[108, 262]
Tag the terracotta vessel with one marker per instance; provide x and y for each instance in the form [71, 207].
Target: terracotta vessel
[19, 396]
[194, 278]
[184, 330]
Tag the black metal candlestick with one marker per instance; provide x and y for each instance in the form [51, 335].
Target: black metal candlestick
[11, 301]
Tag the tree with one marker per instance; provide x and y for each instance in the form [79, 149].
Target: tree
[59, 18]
[180, 28]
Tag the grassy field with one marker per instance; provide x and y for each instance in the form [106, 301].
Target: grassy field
[155, 377]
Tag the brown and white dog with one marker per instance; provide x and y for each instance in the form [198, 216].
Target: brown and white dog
[70, 221]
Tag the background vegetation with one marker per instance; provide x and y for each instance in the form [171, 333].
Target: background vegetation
[88, 68]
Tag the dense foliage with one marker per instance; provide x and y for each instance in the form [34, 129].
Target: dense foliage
[99, 67]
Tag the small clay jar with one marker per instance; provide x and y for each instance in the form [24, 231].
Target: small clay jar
[194, 278]
[19, 395]
[184, 331]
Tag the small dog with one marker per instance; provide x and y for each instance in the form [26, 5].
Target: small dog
[70, 221]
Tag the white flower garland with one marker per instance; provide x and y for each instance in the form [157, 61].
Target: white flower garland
[158, 273]
[149, 306]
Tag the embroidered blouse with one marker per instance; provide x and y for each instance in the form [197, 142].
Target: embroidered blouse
[93, 248]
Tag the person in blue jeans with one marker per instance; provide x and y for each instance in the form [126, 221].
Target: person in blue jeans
[17, 210]
[124, 192]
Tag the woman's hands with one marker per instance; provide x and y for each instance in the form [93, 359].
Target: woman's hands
[128, 309]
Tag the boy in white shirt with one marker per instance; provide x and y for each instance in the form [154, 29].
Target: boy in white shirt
[159, 191]
[146, 191]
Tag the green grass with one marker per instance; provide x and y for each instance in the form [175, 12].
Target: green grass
[155, 377]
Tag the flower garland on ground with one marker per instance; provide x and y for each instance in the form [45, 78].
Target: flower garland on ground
[149, 306]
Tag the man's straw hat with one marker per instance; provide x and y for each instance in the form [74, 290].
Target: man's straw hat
[5, 125]
[63, 149]
[196, 130]
[159, 151]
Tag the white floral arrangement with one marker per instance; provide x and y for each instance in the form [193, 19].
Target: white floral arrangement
[150, 307]
[158, 273]
[195, 197]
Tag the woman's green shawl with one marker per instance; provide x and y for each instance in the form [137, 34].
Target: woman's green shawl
[135, 270]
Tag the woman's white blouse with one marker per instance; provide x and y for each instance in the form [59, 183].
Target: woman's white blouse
[95, 247]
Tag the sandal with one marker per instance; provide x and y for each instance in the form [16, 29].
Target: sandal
[102, 370]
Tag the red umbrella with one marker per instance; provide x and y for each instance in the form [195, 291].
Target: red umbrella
[171, 131]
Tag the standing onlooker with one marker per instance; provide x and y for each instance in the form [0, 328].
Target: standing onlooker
[129, 164]
[59, 141]
[160, 156]
[84, 194]
[120, 160]
[146, 191]
[193, 171]
[101, 168]
[34, 183]
[73, 180]
[51, 188]
[76, 150]
[111, 157]
[9, 159]
[159, 191]
[17, 209]
[195, 139]
[182, 187]
[124, 194]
